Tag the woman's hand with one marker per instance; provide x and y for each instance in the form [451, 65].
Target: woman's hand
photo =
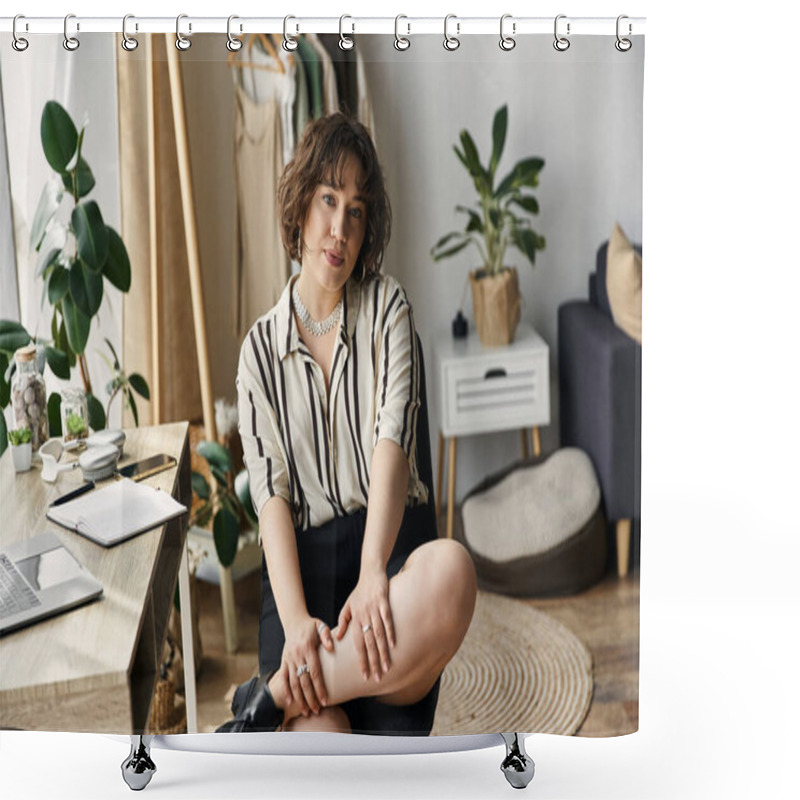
[303, 637]
[373, 628]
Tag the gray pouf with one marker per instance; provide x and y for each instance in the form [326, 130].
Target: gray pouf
[537, 528]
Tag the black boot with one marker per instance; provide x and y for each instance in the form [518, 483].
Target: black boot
[253, 708]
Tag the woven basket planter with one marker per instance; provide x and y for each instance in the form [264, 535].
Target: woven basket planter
[496, 306]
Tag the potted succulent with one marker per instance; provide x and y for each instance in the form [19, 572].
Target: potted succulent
[20, 441]
[494, 224]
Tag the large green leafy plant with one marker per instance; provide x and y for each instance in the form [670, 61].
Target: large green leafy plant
[227, 502]
[494, 223]
[76, 258]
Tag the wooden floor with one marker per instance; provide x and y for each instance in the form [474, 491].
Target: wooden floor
[605, 618]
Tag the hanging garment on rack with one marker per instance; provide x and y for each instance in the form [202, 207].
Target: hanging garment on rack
[328, 74]
[302, 112]
[307, 53]
[344, 68]
[260, 264]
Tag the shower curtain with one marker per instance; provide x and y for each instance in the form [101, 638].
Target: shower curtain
[526, 161]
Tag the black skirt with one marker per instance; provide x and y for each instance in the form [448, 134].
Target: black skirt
[330, 560]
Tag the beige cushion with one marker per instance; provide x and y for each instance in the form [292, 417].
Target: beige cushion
[624, 284]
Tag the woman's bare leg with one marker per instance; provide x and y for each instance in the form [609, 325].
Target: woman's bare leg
[432, 600]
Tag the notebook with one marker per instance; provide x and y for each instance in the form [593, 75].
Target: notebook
[116, 512]
[39, 577]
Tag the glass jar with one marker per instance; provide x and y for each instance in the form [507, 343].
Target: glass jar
[29, 397]
[74, 414]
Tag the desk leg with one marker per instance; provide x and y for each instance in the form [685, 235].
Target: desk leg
[439, 471]
[537, 442]
[451, 487]
[188, 641]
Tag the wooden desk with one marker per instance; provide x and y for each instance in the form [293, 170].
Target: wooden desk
[94, 668]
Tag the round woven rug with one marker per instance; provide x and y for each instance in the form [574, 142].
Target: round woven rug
[518, 669]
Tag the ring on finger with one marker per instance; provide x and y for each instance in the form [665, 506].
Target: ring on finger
[302, 670]
[366, 628]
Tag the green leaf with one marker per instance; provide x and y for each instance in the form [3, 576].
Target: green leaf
[97, 416]
[118, 266]
[226, 536]
[113, 353]
[86, 288]
[5, 386]
[527, 241]
[47, 259]
[85, 180]
[134, 410]
[479, 175]
[220, 474]
[241, 486]
[453, 250]
[445, 239]
[91, 234]
[54, 413]
[499, 127]
[475, 221]
[461, 157]
[139, 385]
[529, 203]
[3, 434]
[216, 455]
[58, 362]
[524, 173]
[57, 284]
[12, 336]
[49, 201]
[59, 136]
[77, 325]
[63, 343]
[200, 486]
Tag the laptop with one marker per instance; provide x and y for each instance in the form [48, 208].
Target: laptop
[39, 577]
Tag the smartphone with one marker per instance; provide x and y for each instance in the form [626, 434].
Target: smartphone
[147, 467]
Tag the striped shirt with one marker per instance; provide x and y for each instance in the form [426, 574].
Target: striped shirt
[314, 448]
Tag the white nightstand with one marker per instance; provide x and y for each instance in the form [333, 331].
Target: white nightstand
[484, 389]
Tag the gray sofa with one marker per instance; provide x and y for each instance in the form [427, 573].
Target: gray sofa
[600, 390]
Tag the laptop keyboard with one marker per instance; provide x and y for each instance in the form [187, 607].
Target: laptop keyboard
[15, 594]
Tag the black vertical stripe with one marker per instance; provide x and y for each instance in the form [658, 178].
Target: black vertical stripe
[374, 323]
[355, 440]
[411, 387]
[328, 426]
[387, 313]
[314, 421]
[385, 379]
[254, 346]
[359, 440]
[254, 426]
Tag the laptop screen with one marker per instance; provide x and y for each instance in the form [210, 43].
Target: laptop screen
[49, 569]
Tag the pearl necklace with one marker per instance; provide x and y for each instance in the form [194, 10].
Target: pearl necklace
[310, 324]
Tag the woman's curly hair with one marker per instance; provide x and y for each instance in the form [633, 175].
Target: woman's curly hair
[319, 158]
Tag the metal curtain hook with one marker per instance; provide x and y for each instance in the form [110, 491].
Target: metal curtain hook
[561, 43]
[181, 42]
[289, 42]
[18, 43]
[70, 42]
[451, 42]
[507, 42]
[400, 42]
[128, 42]
[345, 42]
[233, 44]
[623, 45]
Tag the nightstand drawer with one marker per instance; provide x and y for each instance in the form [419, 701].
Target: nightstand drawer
[498, 393]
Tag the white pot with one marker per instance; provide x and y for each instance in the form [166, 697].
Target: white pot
[21, 456]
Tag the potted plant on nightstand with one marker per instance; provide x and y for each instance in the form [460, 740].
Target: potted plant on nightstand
[493, 225]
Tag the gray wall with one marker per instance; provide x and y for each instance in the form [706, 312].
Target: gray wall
[581, 111]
